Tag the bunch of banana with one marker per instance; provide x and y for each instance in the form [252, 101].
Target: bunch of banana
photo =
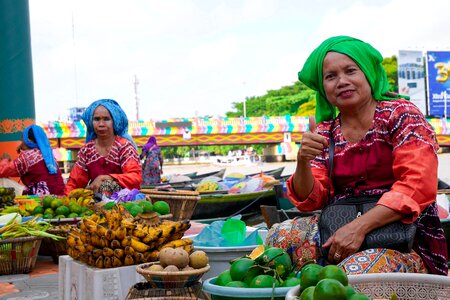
[83, 197]
[116, 239]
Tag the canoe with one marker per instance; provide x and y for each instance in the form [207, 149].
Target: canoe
[198, 177]
[275, 173]
[218, 205]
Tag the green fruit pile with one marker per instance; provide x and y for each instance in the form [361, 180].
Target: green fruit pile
[53, 207]
[272, 267]
[137, 207]
[329, 282]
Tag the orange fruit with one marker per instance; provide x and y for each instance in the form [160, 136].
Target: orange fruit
[308, 293]
[257, 252]
[329, 289]
[309, 276]
[240, 267]
[262, 281]
[224, 278]
[334, 272]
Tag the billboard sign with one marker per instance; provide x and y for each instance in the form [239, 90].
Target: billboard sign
[411, 77]
[438, 70]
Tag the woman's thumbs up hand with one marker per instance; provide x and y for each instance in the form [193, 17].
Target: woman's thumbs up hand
[312, 143]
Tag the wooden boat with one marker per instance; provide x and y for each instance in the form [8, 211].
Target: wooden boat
[275, 173]
[223, 205]
[198, 177]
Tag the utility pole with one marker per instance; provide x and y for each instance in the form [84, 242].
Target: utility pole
[136, 98]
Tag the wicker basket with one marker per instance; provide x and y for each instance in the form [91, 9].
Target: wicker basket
[19, 255]
[144, 290]
[182, 206]
[407, 286]
[170, 280]
[54, 248]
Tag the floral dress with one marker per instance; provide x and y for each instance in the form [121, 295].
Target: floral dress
[151, 168]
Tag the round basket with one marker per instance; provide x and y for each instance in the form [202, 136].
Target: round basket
[407, 286]
[144, 290]
[170, 280]
[181, 206]
[19, 255]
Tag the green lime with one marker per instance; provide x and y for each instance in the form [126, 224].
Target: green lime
[38, 210]
[309, 275]
[262, 281]
[48, 216]
[358, 296]
[73, 215]
[47, 201]
[75, 208]
[60, 217]
[308, 293]
[161, 207]
[146, 205]
[334, 272]
[56, 203]
[291, 281]
[135, 210]
[224, 278]
[240, 267]
[49, 211]
[109, 205]
[88, 212]
[62, 210]
[237, 284]
[349, 291]
[329, 289]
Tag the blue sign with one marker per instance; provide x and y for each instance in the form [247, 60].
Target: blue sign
[438, 67]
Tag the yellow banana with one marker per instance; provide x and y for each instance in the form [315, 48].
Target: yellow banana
[138, 257]
[99, 262]
[107, 252]
[96, 252]
[129, 251]
[110, 235]
[115, 244]
[120, 233]
[151, 256]
[129, 260]
[119, 253]
[107, 263]
[101, 230]
[116, 262]
[188, 248]
[126, 241]
[104, 242]
[139, 246]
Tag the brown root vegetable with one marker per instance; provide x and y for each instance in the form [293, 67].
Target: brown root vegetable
[198, 259]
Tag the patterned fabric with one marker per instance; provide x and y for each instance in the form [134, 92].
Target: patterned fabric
[383, 261]
[151, 168]
[32, 169]
[389, 160]
[43, 144]
[39, 189]
[122, 163]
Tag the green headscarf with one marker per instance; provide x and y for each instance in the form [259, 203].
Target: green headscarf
[366, 57]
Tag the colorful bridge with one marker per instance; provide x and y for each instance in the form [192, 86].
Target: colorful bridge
[209, 131]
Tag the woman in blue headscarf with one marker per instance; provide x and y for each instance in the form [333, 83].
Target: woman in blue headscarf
[109, 160]
[36, 166]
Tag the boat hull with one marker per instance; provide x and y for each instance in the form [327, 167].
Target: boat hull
[226, 205]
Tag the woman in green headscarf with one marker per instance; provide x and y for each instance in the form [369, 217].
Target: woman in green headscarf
[383, 146]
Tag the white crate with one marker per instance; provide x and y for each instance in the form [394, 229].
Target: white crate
[80, 281]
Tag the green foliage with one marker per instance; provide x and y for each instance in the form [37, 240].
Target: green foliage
[390, 65]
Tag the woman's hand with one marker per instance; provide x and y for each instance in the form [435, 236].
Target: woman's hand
[95, 185]
[344, 242]
[6, 156]
[312, 143]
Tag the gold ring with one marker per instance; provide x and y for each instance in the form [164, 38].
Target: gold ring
[337, 255]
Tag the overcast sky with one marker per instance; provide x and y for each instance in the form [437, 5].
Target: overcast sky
[197, 57]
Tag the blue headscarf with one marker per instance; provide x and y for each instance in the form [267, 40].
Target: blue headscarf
[120, 120]
[43, 144]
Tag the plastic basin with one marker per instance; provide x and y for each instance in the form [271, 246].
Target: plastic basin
[220, 257]
[229, 293]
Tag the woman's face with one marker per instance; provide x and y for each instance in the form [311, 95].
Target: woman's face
[344, 83]
[103, 122]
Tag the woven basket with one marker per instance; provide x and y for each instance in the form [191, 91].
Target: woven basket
[19, 255]
[407, 286]
[170, 280]
[54, 248]
[144, 290]
[181, 206]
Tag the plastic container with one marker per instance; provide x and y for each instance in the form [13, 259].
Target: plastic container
[220, 257]
[408, 286]
[229, 293]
